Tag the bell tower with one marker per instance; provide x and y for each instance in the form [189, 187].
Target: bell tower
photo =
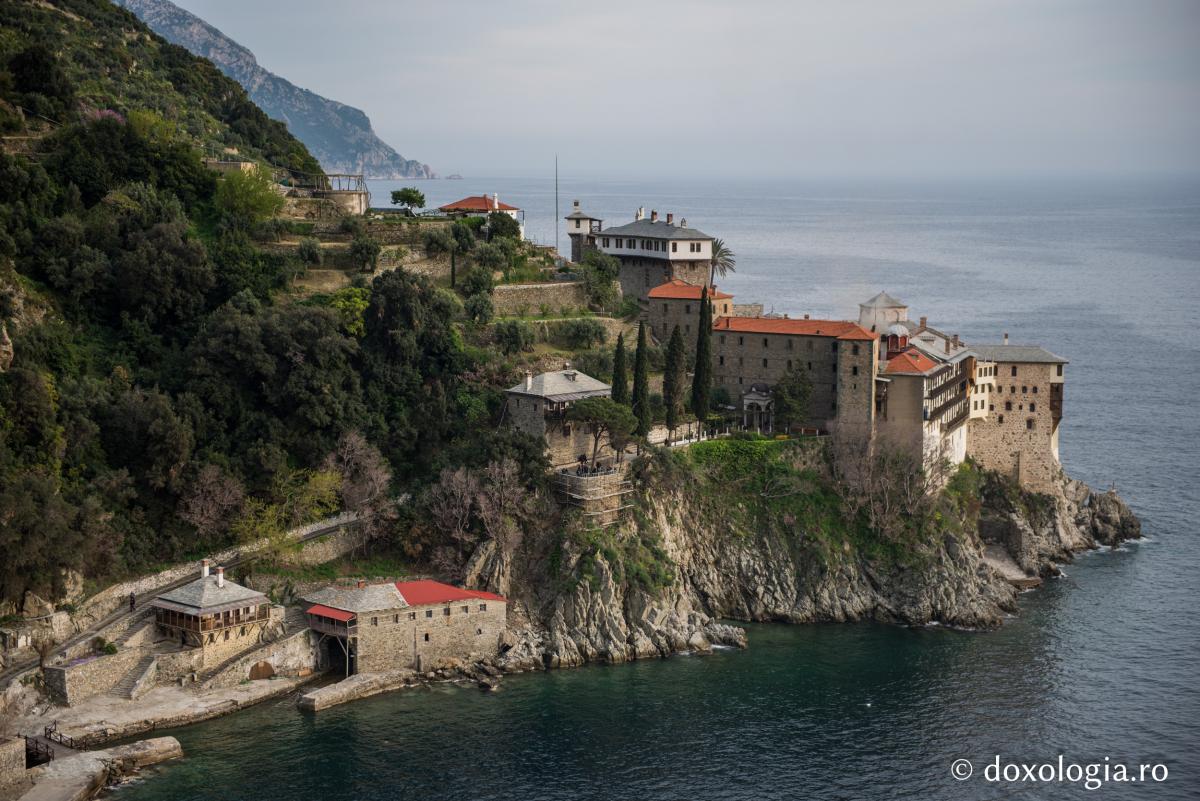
[581, 228]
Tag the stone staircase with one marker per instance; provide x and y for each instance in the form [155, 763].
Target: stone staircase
[132, 684]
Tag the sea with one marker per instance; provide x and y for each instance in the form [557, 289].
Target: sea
[1099, 673]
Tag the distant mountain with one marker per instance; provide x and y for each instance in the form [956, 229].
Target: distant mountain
[340, 136]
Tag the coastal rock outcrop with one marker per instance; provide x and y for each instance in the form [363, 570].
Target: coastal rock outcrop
[775, 573]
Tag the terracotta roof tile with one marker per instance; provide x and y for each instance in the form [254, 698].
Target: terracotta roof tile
[425, 591]
[835, 329]
[910, 362]
[476, 203]
[676, 289]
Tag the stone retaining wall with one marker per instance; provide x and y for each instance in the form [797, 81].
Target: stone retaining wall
[517, 299]
[12, 761]
[294, 655]
[330, 547]
[71, 684]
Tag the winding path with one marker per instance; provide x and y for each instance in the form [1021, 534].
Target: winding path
[310, 532]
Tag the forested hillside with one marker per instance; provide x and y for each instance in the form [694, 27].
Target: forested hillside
[161, 396]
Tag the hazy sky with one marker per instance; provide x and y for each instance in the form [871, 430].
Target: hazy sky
[839, 87]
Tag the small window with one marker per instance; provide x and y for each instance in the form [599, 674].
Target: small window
[1029, 424]
[428, 613]
[395, 618]
[412, 615]
[480, 631]
[1059, 369]
[445, 611]
[1000, 419]
[1008, 406]
[741, 340]
[721, 360]
[674, 247]
[664, 308]
[766, 342]
[1014, 369]
[722, 339]
[1024, 389]
[483, 607]
[764, 362]
[854, 370]
[687, 308]
[374, 621]
[1034, 389]
[465, 610]
[1033, 407]
[854, 349]
[426, 636]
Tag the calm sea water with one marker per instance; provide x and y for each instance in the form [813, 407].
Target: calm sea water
[1100, 664]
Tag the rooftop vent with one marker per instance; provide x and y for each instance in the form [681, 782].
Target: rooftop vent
[570, 375]
[1005, 337]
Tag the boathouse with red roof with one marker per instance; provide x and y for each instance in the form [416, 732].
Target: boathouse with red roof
[419, 625]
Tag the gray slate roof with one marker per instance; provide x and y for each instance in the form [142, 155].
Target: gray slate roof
[354, 599]
[659, 229]
[203, 594]
[560, 386]
[1020, 354]
[884, 301]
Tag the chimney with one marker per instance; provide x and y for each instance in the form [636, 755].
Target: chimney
[361, 584]
[955, 340]
[947, 346]
[653, 215]
[495, 202]
[641, 213]
[670, 218]
[203, 568]
[576, 205]
[1005, 337]
[806, 317]
[924, 320]
[570, 375]
[220, 577]
[528, 380]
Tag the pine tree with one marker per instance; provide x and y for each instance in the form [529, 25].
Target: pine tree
[620, 381]
[702, 375]
[674, 376]
[641, 384]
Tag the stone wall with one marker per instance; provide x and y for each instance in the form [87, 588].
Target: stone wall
[173, 666]
[741, 359]
[663, 314]
[518, 299]
[71, 684]
[332, 546]
[294, 655]
[12, 761]
[639, 275]
[1019, 435]
[419, 637]
[747, 310]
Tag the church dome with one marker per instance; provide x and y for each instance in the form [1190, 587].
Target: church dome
[897, 330]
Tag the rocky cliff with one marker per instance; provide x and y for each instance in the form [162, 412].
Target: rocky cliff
[728, 557]
[340, 136]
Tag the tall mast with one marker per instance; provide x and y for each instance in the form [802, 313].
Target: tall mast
[556, 253]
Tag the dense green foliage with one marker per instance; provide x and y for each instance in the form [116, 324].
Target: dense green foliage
[162, 401]
[409, 197]
[792, 395]
[103, 58]
[641, 385]
[620, 378]
[674, 379]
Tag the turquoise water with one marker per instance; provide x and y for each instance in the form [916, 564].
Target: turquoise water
[1102, 663]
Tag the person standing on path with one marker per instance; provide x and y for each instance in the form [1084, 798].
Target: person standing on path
[132, 602]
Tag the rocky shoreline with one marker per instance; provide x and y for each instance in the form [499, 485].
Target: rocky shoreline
[761, 577]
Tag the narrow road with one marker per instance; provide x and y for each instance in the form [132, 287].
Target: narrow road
[142, 604]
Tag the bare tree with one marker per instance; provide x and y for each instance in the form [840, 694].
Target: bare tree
[366, 475]
[502, 496]
[43, 646]
[450, 502]
[212, 500]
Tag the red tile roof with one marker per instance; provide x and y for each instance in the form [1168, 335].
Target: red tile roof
[476, 203]
[424, 591]
[675, 289]
[839, 329]
[910, 362]
[329, 611]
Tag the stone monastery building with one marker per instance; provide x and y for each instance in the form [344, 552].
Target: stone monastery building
[372, 628]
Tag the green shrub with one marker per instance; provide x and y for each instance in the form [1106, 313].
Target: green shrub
[310, 251]
[579, 334]
[478, 308]
[478, 280]
[514, 336]
[110, 648]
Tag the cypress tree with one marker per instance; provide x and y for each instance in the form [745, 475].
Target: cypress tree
[641, 384]
[674, 376]
[620, 381]
[702, 375]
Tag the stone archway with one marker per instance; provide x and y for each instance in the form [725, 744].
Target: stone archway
[262, 670]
